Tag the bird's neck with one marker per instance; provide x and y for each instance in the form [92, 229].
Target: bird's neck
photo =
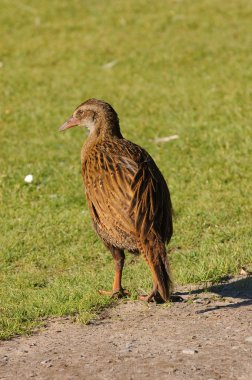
[102, 133]
[105, 128]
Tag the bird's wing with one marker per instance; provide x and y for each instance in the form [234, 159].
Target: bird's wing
[151, 204]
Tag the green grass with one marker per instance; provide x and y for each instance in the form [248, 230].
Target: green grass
[181, 67]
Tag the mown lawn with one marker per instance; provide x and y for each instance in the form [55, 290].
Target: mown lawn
[168, 67]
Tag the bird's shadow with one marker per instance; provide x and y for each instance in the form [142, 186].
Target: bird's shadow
[239, 291]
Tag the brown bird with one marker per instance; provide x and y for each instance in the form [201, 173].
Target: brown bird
[127, 196]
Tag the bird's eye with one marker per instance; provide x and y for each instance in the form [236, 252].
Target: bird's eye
[79, 113]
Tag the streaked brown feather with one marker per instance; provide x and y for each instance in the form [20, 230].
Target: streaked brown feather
[127, 196]
[126, 191]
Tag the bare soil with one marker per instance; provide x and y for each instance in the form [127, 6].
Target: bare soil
[208, 336]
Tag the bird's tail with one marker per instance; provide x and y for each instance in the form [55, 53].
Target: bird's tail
[155, 254]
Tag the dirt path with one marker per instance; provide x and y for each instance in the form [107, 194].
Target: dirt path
[207, 337]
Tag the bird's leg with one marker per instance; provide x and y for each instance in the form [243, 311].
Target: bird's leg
[119, 257]
[117, 290]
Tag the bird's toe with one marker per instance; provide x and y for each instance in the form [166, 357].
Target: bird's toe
[116, 294]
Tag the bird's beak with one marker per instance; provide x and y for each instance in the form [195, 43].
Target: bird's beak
[71, 122]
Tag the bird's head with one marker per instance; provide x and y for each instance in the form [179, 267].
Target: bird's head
[96, 115]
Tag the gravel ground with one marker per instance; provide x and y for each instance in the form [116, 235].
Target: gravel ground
[208, 336]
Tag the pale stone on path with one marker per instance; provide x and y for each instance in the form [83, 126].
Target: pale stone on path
[189, 351]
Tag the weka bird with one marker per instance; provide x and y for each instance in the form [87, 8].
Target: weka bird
[127, 196]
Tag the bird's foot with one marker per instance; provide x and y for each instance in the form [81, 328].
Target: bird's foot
[155, 296]
[145, 298]
[116, 294]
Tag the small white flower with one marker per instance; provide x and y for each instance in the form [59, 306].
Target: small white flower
[28, 178]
